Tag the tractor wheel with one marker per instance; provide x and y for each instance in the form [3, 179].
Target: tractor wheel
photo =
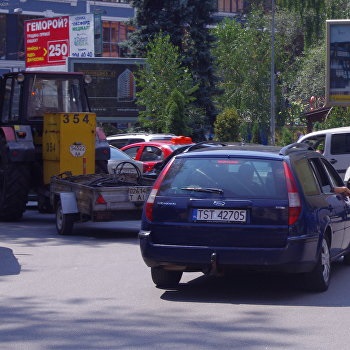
[14, 189]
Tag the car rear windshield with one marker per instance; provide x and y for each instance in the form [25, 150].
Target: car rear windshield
[229, 177]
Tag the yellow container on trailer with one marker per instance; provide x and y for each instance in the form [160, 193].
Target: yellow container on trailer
[68, 144]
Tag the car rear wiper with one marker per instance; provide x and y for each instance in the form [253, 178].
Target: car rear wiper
[201, 189]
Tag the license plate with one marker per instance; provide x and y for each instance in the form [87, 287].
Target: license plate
[220, 215]
[138, 194]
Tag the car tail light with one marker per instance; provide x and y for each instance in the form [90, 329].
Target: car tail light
[100, 200]
[293, 196]
[147, 167]
[152, 196]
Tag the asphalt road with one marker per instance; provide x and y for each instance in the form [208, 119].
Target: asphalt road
[92, 290]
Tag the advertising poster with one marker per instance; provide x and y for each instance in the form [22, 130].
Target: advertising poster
[47, 42]
[338, 63]
[81, 35]
[112, 93]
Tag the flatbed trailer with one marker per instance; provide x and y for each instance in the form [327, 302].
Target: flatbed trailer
[97, 197]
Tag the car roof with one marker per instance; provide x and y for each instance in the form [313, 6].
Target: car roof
[160, 143]
[149, 143]
[250, 150]
[128, 135]
[343, 129]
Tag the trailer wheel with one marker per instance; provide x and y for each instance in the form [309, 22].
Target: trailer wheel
[64, 222]
[14, 189]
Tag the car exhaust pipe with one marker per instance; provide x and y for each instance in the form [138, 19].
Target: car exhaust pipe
[214, 269]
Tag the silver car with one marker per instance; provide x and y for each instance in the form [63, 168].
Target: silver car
[117, 157]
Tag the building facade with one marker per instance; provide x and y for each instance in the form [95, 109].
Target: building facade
[112, 28]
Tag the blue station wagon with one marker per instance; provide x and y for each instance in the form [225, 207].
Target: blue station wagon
[224, 208]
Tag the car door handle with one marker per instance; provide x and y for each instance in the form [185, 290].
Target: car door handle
[332, 161]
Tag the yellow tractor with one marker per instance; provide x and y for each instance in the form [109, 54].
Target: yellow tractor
[46, 128]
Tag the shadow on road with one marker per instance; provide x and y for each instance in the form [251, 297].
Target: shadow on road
[8, 263]
[35, 228]
[263, 289]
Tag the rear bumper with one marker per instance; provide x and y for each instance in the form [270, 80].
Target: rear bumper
[299, 255]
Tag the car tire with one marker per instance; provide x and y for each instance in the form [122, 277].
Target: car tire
[165, 278]
[318, 279]
[64, 222]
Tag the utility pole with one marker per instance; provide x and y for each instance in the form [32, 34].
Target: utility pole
[272, 88]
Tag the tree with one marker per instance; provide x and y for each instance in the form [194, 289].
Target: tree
[197, 52]
[226, 126]
[153, 17]
[186, 22]
[176, 117]
[338, 116]
[313, 14]
[306, 77]
[243, 60]
[163, 73]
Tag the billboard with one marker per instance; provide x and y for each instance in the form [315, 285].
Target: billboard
[112, 93]
[338, 63]
[49, 41]
[81, 35]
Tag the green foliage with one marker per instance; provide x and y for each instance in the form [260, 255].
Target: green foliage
[161, 76]
[242, 62]
[305, 78]
[256, 133]
[226, 126]
[243, 59]
[186, 22]
[338, 117]
[314, 13]
[287, 137]
[153, 17]
[198, 123]
[175, 113]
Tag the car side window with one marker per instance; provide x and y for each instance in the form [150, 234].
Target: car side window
[307, 177]
[340, 144]
[135, 140]
[132, 151]
[118, 143]
[317, 143]
[332, 174]
[151, 153]
[322, 175]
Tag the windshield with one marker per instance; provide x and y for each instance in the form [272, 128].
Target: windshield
[232, 177]
[118, 154]
[54, 95]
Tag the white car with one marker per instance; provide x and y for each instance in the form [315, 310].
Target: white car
[117, 157]
[121, 140]
[334, 144]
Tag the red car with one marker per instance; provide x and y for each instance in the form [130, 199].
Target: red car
[151, 153]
